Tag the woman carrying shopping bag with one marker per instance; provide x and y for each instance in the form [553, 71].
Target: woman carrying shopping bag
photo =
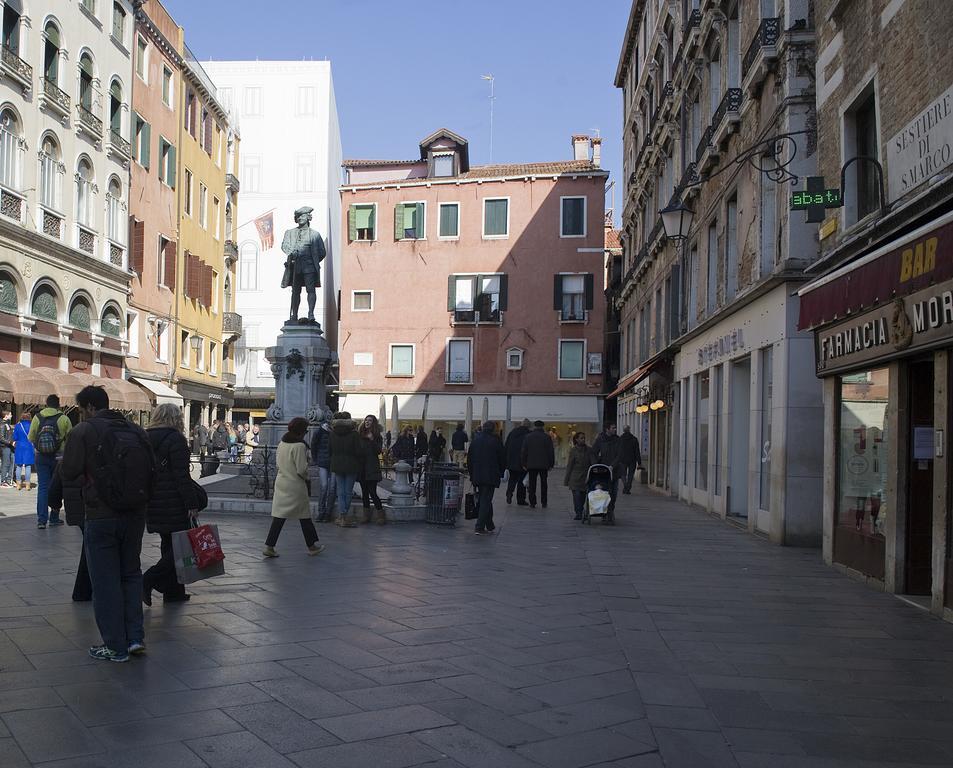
[292, 489]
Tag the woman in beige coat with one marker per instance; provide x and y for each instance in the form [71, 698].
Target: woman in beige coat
[292, 497]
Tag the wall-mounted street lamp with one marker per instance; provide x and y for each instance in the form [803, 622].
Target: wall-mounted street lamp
[196, 342]
[677, 219]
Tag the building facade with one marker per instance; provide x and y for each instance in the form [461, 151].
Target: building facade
[468, 293]
[291, 156]
[882, 307]
[715, 376]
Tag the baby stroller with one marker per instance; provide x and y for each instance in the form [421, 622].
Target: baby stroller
[598, 498]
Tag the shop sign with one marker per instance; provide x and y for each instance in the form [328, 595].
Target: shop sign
[922, 148]
[921, 320]
[728, 344]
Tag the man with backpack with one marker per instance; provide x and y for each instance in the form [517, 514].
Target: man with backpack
[113, 461]
[48, 432]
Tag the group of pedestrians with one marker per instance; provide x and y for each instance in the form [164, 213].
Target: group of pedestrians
[234, 441]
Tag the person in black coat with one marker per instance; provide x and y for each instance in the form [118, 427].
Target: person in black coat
[538, 457]
[321, 455]
[72, 498]
[437, 445]
[422, 442]
[373, 445]
[514, 464]
[630, 456]
[607, 449]
[172, 506]
[487, 463]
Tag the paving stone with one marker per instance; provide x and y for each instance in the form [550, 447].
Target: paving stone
[237, 750]
[491, 694]
[492, 723]
[156, 756]
[260, 653]
[415, 671]
[587, 715]
[29, 698]
[581, 688]
[582, 749]
[51, 734]
[177, 702]
[327, 674]
[306, 698]
[687, 718]
[240, 673]
[693, 749]
[11, 756]
[160, 730]
[392, 752]
[280, 727]
[472, 749]
[101, 703]
[668, 690]
[383, 722]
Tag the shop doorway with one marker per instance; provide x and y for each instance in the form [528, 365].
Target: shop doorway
[738, 437]
[919, 543]
[660, 449]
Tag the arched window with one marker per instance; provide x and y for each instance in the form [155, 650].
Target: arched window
[115, 107]
[86, 81]
[84, 193]
[80, 316]
[11, 151]
[9, 300]
[248, 266]
[115, 209]
[111, 325]
[43, 305]
[51, 53]
[50, 171]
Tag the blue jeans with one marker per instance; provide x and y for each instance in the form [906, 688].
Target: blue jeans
[327, 492]
[345, 489]
[6, 467]
[44, 470]
[113, 547]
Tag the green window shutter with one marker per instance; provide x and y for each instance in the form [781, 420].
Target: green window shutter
[351, 223]
[451, 293]
[399, 221]
[557, 292]
[146, 145]
[372, 220]
[504, 291]
[172, 166]
[420, 226]
[448, 221]
[589, 289]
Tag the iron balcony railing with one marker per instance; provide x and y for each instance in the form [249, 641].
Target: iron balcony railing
[88, 119]
[730, 102]
[232, 323]
[16, 64]
[120, 144]
[56, 94]
[690, 175]
[703, 145]
[694, 20]
[768, 33]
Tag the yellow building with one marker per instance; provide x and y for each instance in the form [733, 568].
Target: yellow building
[206, 324]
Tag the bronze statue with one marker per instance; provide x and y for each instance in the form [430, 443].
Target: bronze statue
[305, 250]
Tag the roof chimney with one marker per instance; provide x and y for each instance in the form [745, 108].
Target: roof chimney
[580, 146]
[597, 151]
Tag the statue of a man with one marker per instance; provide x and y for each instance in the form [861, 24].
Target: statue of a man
[305, 250]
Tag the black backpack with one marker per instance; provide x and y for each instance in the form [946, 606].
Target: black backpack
[124, 467]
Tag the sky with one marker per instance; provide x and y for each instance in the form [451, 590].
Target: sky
[402, 70]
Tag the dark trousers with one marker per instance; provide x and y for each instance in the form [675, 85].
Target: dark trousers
[628, 473]
[543, 475]
[369, 494]
[113, 547]
[613, 491]
[82, 588]
[484, 502]
[307, 528]
[309, 281]
[516, 483]
[44, 470]
[161, 576]
[578, 502]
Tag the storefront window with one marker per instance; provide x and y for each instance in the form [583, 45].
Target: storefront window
[716, 386]
[862, 471]
[683, 404]
[767, 385]
[701, 431]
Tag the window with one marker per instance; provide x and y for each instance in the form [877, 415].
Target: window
[862, 195]
[701, 431]
[166, 162]
[767, 407]
[251, 173]
[572, 296]
[142, 65]
[459, 361]
[496, 217]
[304, 173]
[11, 150]
[115, 108]
[216, 291]
[712, 294]
[90, 6]
[572, 357]
[51, 53]
[252, 102]
[409, 219]
[693, 280]
[116, 222]
[731, 248]
[449, 225]
[305, 101]
[161, 271]
[658, 335]
[184, 347]
[119, 23]
[11, 29]
[514, 359]
[86, 82]
[213, 358]
[187, 203]
[200, 357]
[717, 384]
[110, 324]
[206, 137]
[50, 172]
[362, 301]
[477, 298]
[168, 92]
[225, 96]
[217, 218]
[84, 193]
[132, 333]
[443, 165]
[203, 205]
[190, 112]
[248, 266]
[401, 360]
[361, 222]
[572, 217]
[162, 342]
[142, 138]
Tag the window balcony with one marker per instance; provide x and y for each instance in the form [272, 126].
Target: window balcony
[692, 26]
[11, 204]
[116, 254]
[17, 69]
[52, 224]
[55, 99]
[85, 239]
[228, 379]
[474, 317]
[231, 253]
[119, 146]
[89, 123]
[762, 51]
[231, 183]
[231, 324]
[703, 153]
[726, 117]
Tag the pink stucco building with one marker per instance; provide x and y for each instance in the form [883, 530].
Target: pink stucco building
[474, 290]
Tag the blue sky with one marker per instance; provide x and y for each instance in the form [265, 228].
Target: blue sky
[401, 70]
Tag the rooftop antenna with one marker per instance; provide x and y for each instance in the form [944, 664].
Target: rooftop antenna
[492, 99]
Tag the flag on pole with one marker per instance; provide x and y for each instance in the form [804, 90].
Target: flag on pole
[265, 224]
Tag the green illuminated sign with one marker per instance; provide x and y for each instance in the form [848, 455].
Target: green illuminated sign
[815, 199]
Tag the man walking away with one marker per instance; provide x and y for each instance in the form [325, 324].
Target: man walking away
[199, 440]
[458, 443]
[514, 463]
[6, 446]
[219, 438]
[113, 460]
[631, 457]
[538, 457]
[436, 446]
[487, 461]
[321, 455]
[48, 433]
[607, 449]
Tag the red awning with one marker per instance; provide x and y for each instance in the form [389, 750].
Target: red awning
[636, 376]
[903, 266]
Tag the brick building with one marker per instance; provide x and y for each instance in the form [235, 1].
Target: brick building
[882, 308]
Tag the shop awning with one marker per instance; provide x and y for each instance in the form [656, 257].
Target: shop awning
[26, 386]
[163, 393]
[451, 407]
[123, 395]
[31, 386]
[549, 408]
[639, 373]
[360, 405]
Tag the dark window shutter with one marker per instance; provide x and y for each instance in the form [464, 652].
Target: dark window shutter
[137, 236]
[398, 221]
[351, 224]
[206, 285]
[170, 263]
[451, 293]
[504, 291]
[145, 157]
[557, 292]
[170, 171]
[589, 288]
[208, 133]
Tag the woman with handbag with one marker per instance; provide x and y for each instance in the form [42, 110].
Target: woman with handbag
[175, 500]
[292, 497]
[371, 475]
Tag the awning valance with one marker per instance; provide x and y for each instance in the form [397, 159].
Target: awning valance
[31, 386]
[162, 392]
[451, 407]
[360, 405]
[555, 408]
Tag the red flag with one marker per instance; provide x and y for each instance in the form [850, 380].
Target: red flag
[265, 224]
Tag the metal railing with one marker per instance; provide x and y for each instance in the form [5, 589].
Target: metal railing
[702, 147]
[694, 20]
[730, 102]
[56, 94]
[15, 63]
[769, 32]
[88, 119]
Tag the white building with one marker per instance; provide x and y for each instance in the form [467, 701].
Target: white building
[65, 85]
[290, 156]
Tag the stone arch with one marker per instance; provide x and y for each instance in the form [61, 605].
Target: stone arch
[111, 320]
[46, 301]
[82, 310]
[12, 289]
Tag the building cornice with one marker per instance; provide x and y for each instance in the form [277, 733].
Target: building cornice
[158, 38]
[628, 42]
[593, 174]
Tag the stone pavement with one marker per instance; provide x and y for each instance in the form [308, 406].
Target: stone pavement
[673, 639]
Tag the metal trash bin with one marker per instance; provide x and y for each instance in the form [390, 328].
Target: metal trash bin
[444, 493]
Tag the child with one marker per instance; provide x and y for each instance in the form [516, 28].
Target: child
[599, 499]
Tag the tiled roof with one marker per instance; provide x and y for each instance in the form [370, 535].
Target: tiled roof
[613, 239]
